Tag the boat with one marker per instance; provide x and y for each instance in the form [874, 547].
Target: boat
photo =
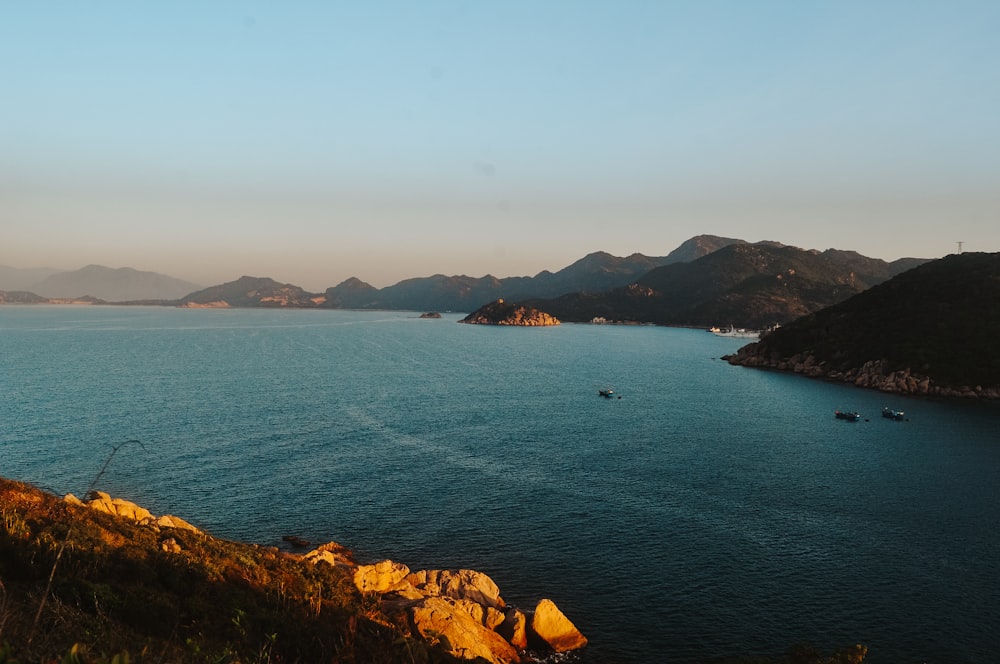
[893, 414]
[607, 394]
[735, 332]
[850, 416]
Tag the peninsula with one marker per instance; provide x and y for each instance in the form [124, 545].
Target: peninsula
[929, 331]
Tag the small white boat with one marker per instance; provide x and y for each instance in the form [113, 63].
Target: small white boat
[736, 332]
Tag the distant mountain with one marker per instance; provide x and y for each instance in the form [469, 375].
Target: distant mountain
[112, 285]
[21, 297]
[698, 246]
[930, 330]
[595, 272]
[20, 279]
[750, 285]
[252, 292]
[351, 294]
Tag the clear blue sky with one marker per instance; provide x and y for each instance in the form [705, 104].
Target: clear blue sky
[313, 141]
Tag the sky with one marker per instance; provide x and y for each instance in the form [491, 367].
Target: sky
[315, 141]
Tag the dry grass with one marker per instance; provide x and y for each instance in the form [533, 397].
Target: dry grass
[116, 591]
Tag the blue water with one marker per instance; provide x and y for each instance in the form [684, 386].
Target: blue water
[712, 510]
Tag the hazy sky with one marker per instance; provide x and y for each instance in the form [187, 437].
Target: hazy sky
[314, 141]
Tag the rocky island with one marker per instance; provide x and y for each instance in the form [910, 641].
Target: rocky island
[929, 331]
[83, 579]
[499, 312]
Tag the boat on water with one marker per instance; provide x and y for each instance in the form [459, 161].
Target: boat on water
[850, 416]
[735, 332]
[893, 414]
[607, 394]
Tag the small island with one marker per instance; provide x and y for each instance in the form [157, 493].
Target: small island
[431, 314]
[499, 312]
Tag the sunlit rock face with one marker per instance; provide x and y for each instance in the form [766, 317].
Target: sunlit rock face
[125, 509]
[463, 611]
[506, 313]
[555, 629]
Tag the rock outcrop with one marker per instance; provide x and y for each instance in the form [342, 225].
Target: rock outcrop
[873, 374]
[506, 313]
[103, 502]
[555, 629]
[460, 610]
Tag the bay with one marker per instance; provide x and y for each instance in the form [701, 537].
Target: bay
[711, 510]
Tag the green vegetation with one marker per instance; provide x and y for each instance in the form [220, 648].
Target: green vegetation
[118, 596]
[940, 320]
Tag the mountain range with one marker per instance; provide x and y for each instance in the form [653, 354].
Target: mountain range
[706, 280]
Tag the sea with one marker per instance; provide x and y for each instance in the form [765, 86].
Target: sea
[704, 511]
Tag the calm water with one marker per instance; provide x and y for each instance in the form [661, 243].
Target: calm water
[711, 510]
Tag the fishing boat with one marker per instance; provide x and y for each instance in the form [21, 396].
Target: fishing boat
[850, 416]
[607, 394]
[893, 414]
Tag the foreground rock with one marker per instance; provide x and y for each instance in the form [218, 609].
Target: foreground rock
[506, 313]
[555, 629]
[462, 611]
[102, 502]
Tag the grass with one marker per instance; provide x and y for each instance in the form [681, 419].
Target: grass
[116, 593]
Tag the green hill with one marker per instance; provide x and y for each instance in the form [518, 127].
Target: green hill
[931, 330]
[749, 285]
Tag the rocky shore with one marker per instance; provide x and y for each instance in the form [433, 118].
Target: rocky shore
[873, 374]
[460, 611]
[507, 313]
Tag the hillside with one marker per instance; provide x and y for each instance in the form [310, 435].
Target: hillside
[112, 285]
[749, 285]
[103, 575]
[20, 279]
[930, 330]
[102, 581]
[252, 292]
[173, 594]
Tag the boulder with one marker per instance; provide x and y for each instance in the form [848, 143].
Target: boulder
[383, 576]
[555, 629]
[129, 510]
[344, 555]
[461, 584]
[448, 622]
[316, 556]
[170, 521]
[514, 628]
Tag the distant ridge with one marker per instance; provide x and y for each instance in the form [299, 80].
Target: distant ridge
[930, 330]
[749, 285]
[22, 279]
[112, 285]
[252, 292]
